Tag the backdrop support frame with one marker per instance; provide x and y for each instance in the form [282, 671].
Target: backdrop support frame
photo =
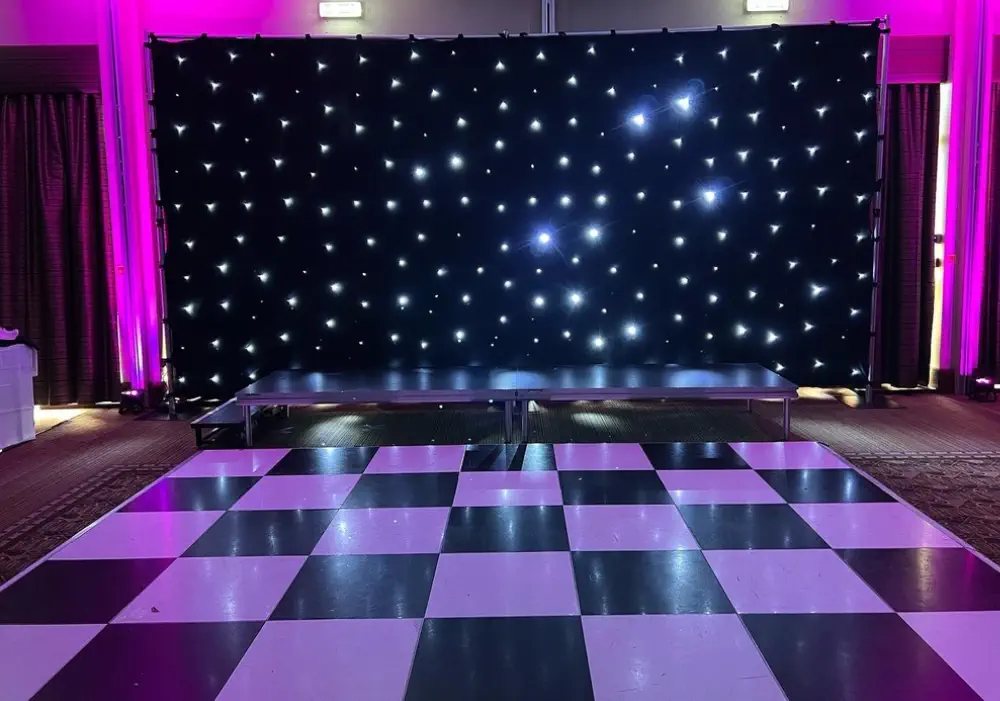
[166, 336]
[878, 194]
[604, 32]
[877, 206]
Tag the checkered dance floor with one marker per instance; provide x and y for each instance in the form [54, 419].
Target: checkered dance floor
[743, 572]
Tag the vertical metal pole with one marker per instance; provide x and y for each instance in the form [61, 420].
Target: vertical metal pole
[248, 425]
[508, 419]
[877, 205]
[165, 340]
[524, 421]
[786, 418]
[750, 406]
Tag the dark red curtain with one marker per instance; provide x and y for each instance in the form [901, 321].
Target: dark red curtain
[56, 282]
[906, 289]
[989, 329]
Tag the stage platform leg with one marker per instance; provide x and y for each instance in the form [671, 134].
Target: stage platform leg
[508, 420]
[248, 425]
[786, 418]
[524, 421]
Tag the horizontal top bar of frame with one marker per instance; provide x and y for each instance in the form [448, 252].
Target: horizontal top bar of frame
[882, 23]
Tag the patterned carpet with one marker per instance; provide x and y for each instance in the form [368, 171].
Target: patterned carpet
[942, 455]
[58, 484]
[961, 493]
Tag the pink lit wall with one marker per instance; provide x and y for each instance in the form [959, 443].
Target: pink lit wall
[48, 22]
[931, 40]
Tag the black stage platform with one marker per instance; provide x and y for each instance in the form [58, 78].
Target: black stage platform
[516, 387]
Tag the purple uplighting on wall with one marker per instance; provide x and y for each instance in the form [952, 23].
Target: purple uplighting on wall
[969, 138]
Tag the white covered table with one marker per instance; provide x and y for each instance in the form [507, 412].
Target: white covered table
[18, 367]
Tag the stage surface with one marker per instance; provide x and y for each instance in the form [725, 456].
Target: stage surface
[715, 571]
[516, 386]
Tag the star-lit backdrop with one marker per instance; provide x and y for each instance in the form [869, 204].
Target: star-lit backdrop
[344, 204]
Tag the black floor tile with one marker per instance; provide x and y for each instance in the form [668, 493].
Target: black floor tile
[258, 533]
[77, 591]
[832, 657]
[498, 659]
[823, 486]
[474, 529]
[359, 586]
[641, 582]
[324, 461]
[612, 487]
[928, 579]
[693, 456]
[192, 494]
[153, 662]
[749, 527]
[527, 457]
[403, 490]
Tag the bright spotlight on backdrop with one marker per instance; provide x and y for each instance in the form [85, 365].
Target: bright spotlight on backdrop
[345, 204]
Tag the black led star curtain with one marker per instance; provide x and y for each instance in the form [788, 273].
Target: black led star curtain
[346, 204]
